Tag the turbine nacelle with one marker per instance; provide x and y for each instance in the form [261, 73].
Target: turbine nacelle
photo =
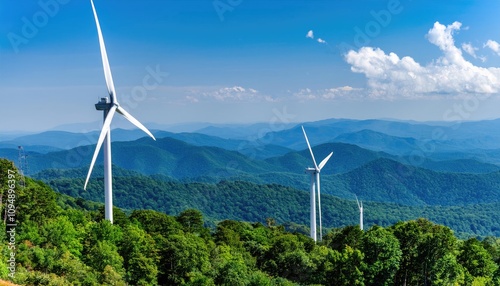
[103, 104]
[311, 170]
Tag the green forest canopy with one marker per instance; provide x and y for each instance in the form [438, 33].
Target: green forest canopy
[65, 241]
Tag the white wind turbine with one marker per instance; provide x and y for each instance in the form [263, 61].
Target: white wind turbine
[109, 109]
[360, 207]
[315, 185]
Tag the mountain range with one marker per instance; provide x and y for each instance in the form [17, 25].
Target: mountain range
[418, 165]
[439, 160]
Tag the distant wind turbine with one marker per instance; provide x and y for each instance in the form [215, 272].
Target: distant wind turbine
[315, 185]
[360, 207]
[109, 108]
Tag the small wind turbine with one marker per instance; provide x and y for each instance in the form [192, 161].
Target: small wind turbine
[109, 108]
[315, 185]
[360, 207]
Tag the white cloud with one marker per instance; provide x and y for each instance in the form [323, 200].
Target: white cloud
[494, 46]
[305, 93]
[390, 76]
[192, 99]
[235, 93]
[182, 95]
[471, 50]
[330, 93]
[321, 41]
[310, 34]
[229, 94]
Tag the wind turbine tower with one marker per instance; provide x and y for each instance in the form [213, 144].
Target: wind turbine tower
[360, 207]
[109, 106]
[315, 186]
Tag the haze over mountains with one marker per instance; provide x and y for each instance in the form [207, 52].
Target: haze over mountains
[441, 166]
[281, 156]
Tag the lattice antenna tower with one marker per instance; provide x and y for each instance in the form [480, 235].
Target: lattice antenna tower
[22, 165]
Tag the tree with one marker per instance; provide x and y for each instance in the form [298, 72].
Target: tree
[423, 244]
[191, 221]
[104, 255]
[36, 202]
[140, 256]
[338, 239]
[154, 222]
[447, 271]
[101, 231]
[181, 258]
[289, 259]
[119, 216]
[476, 260]
[60, 232]
[382, 256]
[492, 245]
[346, 267]
[229, 266]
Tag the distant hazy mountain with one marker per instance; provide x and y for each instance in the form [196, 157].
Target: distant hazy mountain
[242, 131]
[464, 136]
[387, 161]
[346, 157]
[379, 141]
[394, 137]
[67, 140]
[179, 159]
[376, 176]
[166, 156]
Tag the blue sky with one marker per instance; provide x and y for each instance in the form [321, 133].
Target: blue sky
[234, 61]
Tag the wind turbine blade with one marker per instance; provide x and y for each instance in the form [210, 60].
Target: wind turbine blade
[309, 146]
[357, 201]
[134, 121]
[322, 164]
[105, 128]
[105, 62]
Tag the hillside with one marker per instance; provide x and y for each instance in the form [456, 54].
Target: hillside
[246, 201]
[352, 170]
[64, 241]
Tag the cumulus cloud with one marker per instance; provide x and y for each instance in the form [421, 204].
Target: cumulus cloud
[390, 76]
[321, 41]
[494, 46]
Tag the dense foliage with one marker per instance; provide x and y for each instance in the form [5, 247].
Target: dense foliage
[239, 200]
[63, 241]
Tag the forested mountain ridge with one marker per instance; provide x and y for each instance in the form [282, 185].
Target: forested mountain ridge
[59, 241]
[352, 170]
[242, 200]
